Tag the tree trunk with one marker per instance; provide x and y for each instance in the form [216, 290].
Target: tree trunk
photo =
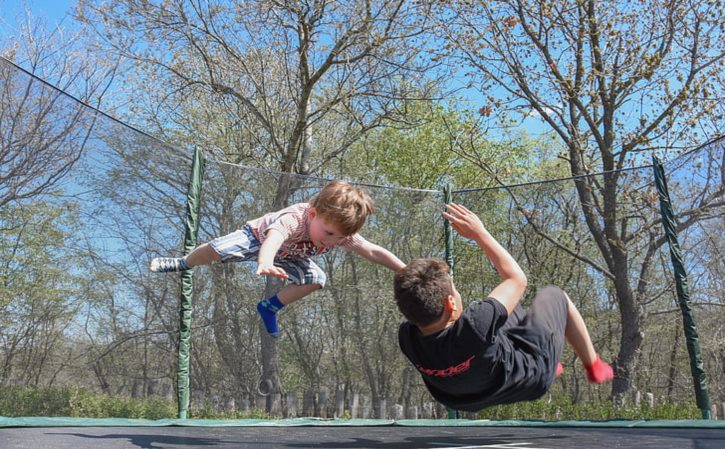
[604, 225]
[673, 364]
[631, 338]
[270, 358]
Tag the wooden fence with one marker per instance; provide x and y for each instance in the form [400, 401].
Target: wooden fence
[322, 404]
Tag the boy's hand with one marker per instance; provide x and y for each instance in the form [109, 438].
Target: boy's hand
[465, 222]
[271, 270]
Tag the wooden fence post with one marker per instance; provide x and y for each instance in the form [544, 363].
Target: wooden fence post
[367, 408]
[228, 404]
[381, 409]
[354, 406]
[322, 403]
[397, 412]
[650, 399]
[440, 411]
[198, 399]
[339, 403]
[308, 403]
[291, 405]
[260, 402]
[428, 410]
[274, 404]
[167, 391]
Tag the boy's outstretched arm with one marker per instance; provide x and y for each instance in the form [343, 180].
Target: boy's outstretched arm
[379, 255]
[513, 280]
[265, 260]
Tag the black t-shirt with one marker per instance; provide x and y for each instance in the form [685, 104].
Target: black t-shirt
[485, 358]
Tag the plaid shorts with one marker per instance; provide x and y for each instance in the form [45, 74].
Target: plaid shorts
[242, 246]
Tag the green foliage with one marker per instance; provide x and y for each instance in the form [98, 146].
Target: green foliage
[74, 402]
[78, 402]
[38, 298]
[208, 412]
[562, 409]
[32, 246]
[439, 143]
[435, 144]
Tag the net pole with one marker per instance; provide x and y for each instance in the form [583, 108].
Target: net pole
[699, 377]
[193, 203]
[448, 235]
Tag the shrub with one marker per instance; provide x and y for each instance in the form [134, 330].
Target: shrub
[562, 409]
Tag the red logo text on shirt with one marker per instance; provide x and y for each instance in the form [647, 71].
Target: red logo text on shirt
[448, 372]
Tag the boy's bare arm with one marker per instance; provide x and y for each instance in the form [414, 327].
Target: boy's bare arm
[265, 260]
[513, 280]
[379, 255]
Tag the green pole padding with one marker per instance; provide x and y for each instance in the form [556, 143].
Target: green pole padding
[187, 282]
[448, 234]
[683, 295]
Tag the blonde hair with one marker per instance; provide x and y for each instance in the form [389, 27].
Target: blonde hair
[346, 205]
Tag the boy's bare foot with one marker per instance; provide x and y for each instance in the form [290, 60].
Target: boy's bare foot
[599, 372]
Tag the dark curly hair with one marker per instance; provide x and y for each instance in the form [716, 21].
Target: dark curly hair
[420, 289]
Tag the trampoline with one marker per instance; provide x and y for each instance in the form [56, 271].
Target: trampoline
[69, 433]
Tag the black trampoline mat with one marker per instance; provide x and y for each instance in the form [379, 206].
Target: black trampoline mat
[390, 437]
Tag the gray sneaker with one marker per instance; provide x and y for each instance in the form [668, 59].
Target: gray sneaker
[166, 264]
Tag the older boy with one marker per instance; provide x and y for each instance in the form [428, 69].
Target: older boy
[283, 243]
[491, 352]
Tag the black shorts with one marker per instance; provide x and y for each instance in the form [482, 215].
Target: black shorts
[544, 324]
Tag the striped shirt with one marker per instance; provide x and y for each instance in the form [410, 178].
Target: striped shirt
[293, 223]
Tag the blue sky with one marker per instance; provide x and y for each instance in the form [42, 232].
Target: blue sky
[56, 11]
[52, 10]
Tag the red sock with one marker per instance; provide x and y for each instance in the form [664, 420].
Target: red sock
[599, 372]
[559, 369]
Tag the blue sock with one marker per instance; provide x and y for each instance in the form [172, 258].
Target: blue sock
[267, 309]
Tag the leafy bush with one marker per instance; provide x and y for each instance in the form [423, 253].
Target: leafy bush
[562, 409]
[77, 402]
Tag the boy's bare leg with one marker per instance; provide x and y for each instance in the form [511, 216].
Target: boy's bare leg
[292, 292]
[577, 335]
[202, 255]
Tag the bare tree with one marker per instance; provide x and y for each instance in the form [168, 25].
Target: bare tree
[306, 78]
[300, 72]
[42, 133]
[610, 80]
[43, 136]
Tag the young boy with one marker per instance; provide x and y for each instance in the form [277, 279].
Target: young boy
[491, 352]
[282, 243]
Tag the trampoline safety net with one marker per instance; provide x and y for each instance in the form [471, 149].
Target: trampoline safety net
[79, 308]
